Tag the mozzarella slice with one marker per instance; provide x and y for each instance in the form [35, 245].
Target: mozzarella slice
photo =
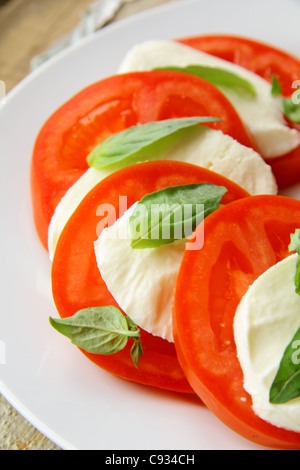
[261, 114]
[265, 322]
[142, 281]
[201, 146]
[70, 202]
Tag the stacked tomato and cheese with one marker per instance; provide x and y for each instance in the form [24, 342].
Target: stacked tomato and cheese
[189, 304]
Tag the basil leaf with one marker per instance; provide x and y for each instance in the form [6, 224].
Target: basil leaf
[295, 246]
[276, 86]
[136, 352]
[286, 384]
[99, 330]
[138, 143]
[291, 110]
[290, 106]
[218, 77]
[172, 213]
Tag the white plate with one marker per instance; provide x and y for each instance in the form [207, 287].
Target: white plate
[70, 400]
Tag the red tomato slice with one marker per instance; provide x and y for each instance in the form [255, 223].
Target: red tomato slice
[242, 240]
[76, 281]
[264, 60]
[109, 106]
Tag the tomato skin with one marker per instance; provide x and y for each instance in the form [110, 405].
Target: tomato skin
[242, 240]
[76, 281]
[109, 106]
[264, 60]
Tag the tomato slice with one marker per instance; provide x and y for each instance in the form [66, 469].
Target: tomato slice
[109, 106]
[76, 281]
[242, 240]
[264, 60]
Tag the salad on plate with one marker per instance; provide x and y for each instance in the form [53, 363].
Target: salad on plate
[161, 195]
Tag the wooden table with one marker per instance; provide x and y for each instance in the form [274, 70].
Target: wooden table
[27, 29]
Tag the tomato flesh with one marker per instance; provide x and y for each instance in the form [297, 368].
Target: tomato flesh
[109, 106]
[77, 283]
[265, 61]
[242, 240]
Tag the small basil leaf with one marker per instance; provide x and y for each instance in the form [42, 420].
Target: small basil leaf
[138, 143]
[172, 213]
[290, 106]
[291, 110]
[286, 384]
[295, 246]
[98, 330]
[136, 352]
[276, 86]
[218, 77]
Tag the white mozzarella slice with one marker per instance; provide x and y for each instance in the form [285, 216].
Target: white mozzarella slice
[142, 281]
[265, 322]
[261, 114]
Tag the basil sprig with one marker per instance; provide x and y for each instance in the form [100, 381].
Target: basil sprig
[286, 384]
[142, 142]
[218, 77]
[291, 108]
[172, 213]
[101, 330]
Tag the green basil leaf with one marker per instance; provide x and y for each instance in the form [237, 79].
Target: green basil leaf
[276, 89]
[172, 213]
[291, 110]
[286, 384]
[98, 330]
[290, 106]
[143, 142]
[295, 246]
[136, 352]
[218, 77]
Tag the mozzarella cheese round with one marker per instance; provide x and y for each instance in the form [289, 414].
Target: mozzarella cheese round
[200, 146]
[142, 281]
[261, 114]
[265, 322]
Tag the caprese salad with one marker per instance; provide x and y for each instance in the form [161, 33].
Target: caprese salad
[174, 258]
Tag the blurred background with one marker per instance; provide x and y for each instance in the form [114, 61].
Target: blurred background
[29, 28]
[31, 31]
